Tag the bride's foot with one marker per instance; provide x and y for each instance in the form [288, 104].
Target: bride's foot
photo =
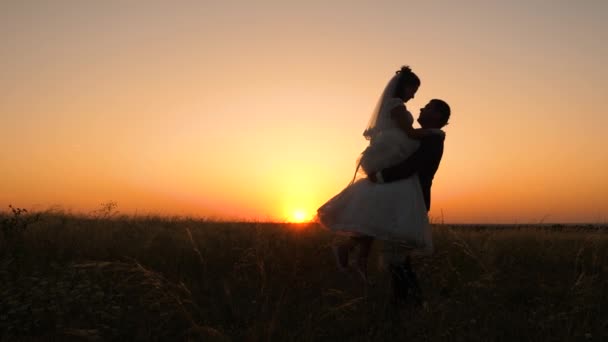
[341, 257]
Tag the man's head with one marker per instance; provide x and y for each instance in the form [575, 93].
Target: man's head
[434, 115]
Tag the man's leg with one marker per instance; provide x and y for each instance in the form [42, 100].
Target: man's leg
[397, 261]
[391, 257]
[412, 280]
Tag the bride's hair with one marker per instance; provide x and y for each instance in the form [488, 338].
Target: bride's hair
[407, 78]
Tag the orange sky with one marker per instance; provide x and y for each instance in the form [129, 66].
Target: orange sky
[255, 110]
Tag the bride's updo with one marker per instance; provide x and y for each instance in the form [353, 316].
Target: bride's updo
[407, 78]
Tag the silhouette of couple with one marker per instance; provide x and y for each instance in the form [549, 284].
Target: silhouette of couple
[390, 194]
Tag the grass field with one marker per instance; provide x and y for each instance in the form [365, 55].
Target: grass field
[110, 277]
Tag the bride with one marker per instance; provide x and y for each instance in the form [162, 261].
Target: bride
[394, 211]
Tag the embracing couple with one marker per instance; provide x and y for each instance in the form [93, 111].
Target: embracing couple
[390, 194]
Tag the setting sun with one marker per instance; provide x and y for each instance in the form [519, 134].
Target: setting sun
[299, 216]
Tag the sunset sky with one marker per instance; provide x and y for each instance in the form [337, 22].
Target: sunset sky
[255, 109]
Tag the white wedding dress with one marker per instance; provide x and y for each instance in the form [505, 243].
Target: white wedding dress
[392, 211]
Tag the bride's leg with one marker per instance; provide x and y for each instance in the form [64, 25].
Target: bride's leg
[342, 250]
[365, 245]
[363, 241]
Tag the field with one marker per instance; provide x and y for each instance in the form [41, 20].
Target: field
[111, 277]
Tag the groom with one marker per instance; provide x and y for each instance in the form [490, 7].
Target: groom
[425, 162]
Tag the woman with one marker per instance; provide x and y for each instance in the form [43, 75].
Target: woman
[393, 211]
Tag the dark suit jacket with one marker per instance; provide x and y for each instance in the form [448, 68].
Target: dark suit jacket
[424, 161]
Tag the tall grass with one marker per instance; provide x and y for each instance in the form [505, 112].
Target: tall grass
[116, 277]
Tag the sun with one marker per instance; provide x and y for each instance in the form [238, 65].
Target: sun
[299, 216]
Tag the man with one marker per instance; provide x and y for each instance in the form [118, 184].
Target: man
[424, 162]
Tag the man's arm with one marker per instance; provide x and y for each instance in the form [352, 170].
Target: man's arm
[425, 159]
[400, 115]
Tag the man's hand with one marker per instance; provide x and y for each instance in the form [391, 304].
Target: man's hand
[372, 177]
[375, 177]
